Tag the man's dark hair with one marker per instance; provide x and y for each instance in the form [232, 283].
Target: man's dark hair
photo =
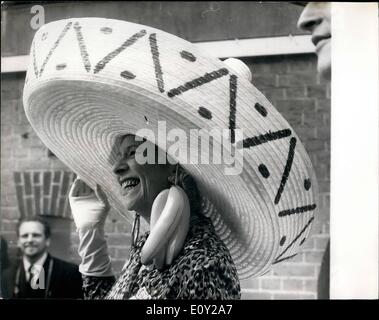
[46, 227]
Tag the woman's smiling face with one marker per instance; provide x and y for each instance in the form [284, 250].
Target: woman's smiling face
[139, 183]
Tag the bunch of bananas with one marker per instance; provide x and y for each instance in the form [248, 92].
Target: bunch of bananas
[169, 225]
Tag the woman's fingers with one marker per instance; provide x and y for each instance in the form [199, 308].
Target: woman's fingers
[86, 189]
[80, 188]
[74, 188]
[101, 195]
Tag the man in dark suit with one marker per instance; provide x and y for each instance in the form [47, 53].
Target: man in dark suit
[38, 274]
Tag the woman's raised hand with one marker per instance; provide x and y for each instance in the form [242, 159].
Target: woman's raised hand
[88, 207]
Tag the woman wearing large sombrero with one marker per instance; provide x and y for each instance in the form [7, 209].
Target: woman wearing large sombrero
[89, 107]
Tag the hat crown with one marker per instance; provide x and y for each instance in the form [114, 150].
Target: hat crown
[239, 68]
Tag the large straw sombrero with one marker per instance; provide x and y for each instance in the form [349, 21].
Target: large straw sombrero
[91, 80]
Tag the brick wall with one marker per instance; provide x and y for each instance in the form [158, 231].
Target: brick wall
[291, 83]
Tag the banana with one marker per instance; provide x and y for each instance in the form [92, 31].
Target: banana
[175, 243]
[164, 226]
[156, 211]
[158, 206]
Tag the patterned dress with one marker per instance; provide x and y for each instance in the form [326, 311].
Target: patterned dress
[203, 269]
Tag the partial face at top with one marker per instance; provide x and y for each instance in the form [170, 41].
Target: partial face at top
[32, 240]
[139, 184]
[316, 18]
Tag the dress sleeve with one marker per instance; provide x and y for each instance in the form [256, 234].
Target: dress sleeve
[95, 266]
[97, 287]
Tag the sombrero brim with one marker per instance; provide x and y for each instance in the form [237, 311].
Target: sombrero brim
[134, 76]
